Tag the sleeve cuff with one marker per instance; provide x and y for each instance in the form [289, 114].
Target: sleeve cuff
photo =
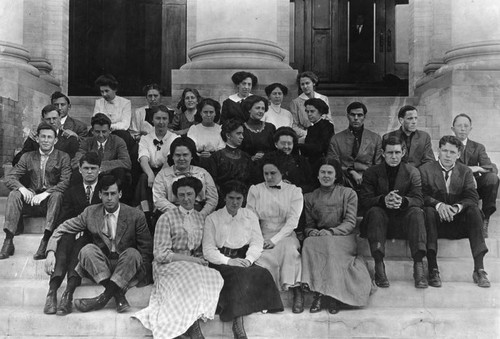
[250, 258]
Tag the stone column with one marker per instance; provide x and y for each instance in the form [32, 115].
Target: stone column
[468, 81]
[226, 36]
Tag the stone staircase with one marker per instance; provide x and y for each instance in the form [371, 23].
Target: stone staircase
[459, 309]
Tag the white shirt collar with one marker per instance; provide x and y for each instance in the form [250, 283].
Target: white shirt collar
[305, 97]
[465, 141]
[92, 186]
[236, 98]
[185, 211]
[444, 169]
[115, 213]
[63, 120]
[43, 154]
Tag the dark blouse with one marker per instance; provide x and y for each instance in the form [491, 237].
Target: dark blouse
[180, 122]
[232, 110]
[230, 164]
[317, 140]
[254, 142]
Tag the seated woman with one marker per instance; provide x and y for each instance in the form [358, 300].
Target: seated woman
[182, 153]
[278, 206]
[187, 109]
[307, 82]
[330, 266]
[231, 163]
[153, 152]
[142, 120]
[206, 132]
[257, 134]
[296, 168]
[320, 132]
[231, 107]
[185, 289]
[277, 115]
[232, 242]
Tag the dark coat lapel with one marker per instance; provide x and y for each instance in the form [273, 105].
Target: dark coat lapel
[121, 225]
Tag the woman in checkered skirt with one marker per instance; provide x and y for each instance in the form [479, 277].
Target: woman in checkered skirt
[185, 288]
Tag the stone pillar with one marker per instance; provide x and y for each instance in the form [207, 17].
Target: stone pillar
[468, 81]
[226, 36]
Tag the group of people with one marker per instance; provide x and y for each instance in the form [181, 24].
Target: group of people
[225, 206]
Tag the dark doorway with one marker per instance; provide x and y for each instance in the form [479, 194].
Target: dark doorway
[351, 45]
[121, 37]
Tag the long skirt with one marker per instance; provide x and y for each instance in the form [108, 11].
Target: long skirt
[330, 266]
[247, 290]
[183, 293]
[283, 261]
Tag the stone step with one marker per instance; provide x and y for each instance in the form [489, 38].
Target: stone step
[30, 322]
[31, 293]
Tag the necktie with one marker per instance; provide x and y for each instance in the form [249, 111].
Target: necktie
[446, 174]
[355, 147]
[158, 144]
[110, 231]
[100, 151]
[89, 193]
[43, 162]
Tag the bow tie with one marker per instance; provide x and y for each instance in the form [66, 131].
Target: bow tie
[275, 186]
[158, 144]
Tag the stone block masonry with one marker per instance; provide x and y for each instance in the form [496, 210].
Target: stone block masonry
[10, 130]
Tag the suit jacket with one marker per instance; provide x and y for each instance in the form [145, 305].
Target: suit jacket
[131, 231]
[76, 126]
[462, 189]
[369, 154]
[115, 153]
[474, 154]
[317, 140]
[75, 201]
[57, 172]
[420, 150]
[65, 144]
[375, 186]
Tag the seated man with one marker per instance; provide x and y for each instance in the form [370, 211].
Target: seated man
[63, 262]
[485, 172]
[418, 143]
[65, 142]
[122, 249]
[392, 195]
[451, 206]
[47, 171]
[71, 126]
[356, 148]
[111, 150]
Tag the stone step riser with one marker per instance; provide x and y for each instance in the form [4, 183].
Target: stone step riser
[400, 294]
[369, 323]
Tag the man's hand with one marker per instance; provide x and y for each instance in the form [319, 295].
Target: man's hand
[257, 156]
[27, 194]
[324, 232]
[447, 212]
[268, 244]
[50, 263]
[151, 179]
[69, 133]
[393, 200]
[239, 262]
[358, 178]
[205, 154]
[37, 199]
[478, 169]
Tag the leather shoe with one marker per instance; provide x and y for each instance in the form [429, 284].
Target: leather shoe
[480, 278]
[434, 278]
[65, 305]
[380, 277]
[40, 253]
[333, 306]
[92, 304]
[194, 332]
[298, 300]
[8, 248]
[316, 304]
[122, 304]
[419, 276]
[239, 329]
[50, 302]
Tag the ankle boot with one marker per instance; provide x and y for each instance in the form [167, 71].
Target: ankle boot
[316, 305]
[298, 300]
[419, 276]
[194, 332]
[7, 248]
[380, 277]
[238, 329]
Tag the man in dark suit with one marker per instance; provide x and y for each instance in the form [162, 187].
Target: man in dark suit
[356, 148]
[122, 249]
[63, 262]
[392, 195]
[71, 126]
[485, 172]
[451, 206]
[111, 149]
[65, 142]
[417, 143]
[47, 172]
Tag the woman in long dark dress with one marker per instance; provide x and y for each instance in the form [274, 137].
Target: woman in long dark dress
[187, 106]
[232, 242]
[330, 265]
[257, 135]
[231, 107]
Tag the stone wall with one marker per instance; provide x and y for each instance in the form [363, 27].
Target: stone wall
[10, 131]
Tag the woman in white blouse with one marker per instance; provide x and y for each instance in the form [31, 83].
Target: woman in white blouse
[278, 206]
[277, 115]
[206, 133]
[232, 242]
[153, 152]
